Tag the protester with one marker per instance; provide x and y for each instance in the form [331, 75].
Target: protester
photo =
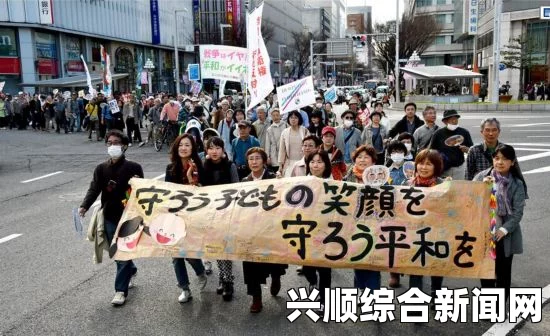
[318, 165]
[384, 121]
[348, 138]
[511, 193]
[241, 145]
[376, 135]
[309, 144]
[410, 122]
[316, 126]
[453, 155]
[130, 113]
[224, 129]
[363, 157]
[110, 179]
[218, 169]
[336, 157]
[93, 123]
[186, 168]
[330, 115]
[3, 113]
[273, 138]
[238, 116]
[480, 156]
[428, 167]
[261, 125]
[256, 273]
[408, 140]
[290, 143]
[423, 134]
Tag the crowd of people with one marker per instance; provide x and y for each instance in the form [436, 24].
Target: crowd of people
[222, 143]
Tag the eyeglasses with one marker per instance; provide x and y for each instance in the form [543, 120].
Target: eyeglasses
[348, 118]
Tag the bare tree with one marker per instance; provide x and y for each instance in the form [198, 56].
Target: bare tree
[415, 33]
[301, 47]
[519, 55]
[267, 29]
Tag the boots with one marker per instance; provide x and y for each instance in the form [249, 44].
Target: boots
[227, 292]
[256, 306]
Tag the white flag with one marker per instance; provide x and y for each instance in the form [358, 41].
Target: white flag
[259, 80]
[91, 89]
[2, 86]
[295, 95]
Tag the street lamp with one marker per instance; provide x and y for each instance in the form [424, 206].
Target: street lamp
[288, 67]
[149, 66]
[222, 26]
[279, 49]
[176, 49]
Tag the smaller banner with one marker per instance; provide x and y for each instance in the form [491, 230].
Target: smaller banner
[196, 88]
[259, 80]
[222, 62]
[330, 95]
[296, 95]
[194, 72]
[113, 105]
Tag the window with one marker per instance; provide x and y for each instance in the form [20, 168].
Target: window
[440, 40]
[441, 2]
[424, 3]
[440, 18]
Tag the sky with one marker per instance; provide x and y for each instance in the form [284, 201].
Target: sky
[382, 10]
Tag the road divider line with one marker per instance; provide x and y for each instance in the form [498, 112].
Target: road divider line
[533, 156]
[154, 178]
[529, 144]
[538, 170]
[42, 177]
[10, 237]
[532, 149]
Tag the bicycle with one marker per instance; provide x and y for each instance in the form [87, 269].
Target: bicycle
[165, 134]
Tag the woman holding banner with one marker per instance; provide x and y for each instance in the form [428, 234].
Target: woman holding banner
[290, 145]
[429, 168]
[318, 165]
[186, 168]
[363, 157]
[256, 273]
[511, 193]
[218, 169]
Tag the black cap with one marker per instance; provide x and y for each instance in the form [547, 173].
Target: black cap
[244, 123]
[450, 113]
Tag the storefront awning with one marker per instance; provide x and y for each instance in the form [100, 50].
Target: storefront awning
[439, 72]
[74, 81]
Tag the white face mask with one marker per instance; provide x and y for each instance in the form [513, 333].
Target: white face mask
[348, 123]
[452, 127]
[397, 158]
[114, 151]
[408, 146]
[319, 105]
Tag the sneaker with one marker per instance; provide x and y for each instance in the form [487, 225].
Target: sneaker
[141, 144]
[227, 293]
[119, 299]
[300, 271]
[185, 296]
[208, 267]
[219, 290]
[203, 279]
[132, 283]
[130, 144]
[275, 285]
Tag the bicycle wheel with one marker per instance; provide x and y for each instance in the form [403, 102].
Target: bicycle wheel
[159, 140]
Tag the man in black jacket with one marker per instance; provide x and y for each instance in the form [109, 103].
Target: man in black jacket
[111, 180]
[409, 123]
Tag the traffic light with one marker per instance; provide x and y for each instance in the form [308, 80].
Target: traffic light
[359, 39]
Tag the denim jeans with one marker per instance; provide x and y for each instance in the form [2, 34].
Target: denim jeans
[124, 269]
[366, 279]
[181, 270]
[77, 122]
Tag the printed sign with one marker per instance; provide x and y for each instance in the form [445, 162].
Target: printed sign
[473, 16]
[296, 94]
[45, 11]
[194, 72]
[222, 62]
[376, 175]
[113, 105]
[310, 221]
[196, 88]
[330, 95]
[155, 21]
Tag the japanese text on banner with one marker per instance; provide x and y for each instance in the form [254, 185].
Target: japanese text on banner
[309, 221]
[223, 62]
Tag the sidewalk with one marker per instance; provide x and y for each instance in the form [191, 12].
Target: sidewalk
[535, 329]
[480, 108]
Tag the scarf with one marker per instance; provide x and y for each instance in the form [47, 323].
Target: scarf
[358, 173]
[503, 203]
[424, 182]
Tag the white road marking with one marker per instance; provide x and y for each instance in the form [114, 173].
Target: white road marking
[96, 203]
[526, 125]
[504, 328]
[530, 144]
[532, 149]
[538, 170]
[10, 237]
[533, 156]
[42, 177]
[530, 130]
[538, 136]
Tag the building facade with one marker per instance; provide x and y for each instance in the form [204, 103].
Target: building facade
[518, 18]
[42, 40]
[359, 20]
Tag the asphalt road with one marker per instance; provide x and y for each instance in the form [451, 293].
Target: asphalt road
[49, 285]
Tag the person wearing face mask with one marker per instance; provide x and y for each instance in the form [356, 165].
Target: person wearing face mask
[453, 156]
[348, 138]
[111, 180]
[408, 140]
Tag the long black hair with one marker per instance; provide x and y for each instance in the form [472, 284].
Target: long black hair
[175, 160]
[510, 153]
[324, 156]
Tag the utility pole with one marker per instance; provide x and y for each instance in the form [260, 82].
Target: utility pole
[496, 52]
[177, 74]
[397, 93]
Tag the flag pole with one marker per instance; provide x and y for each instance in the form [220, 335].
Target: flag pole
[246, 73]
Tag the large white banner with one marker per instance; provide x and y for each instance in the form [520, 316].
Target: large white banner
[223, 62]
[296, 94]
[259, 79]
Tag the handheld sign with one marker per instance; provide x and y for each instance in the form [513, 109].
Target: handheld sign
[376, 176]
[113, 105]
[194, 72]
[408, 169]
[455, 140]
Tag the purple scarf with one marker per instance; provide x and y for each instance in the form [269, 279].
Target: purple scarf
[503, 203]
